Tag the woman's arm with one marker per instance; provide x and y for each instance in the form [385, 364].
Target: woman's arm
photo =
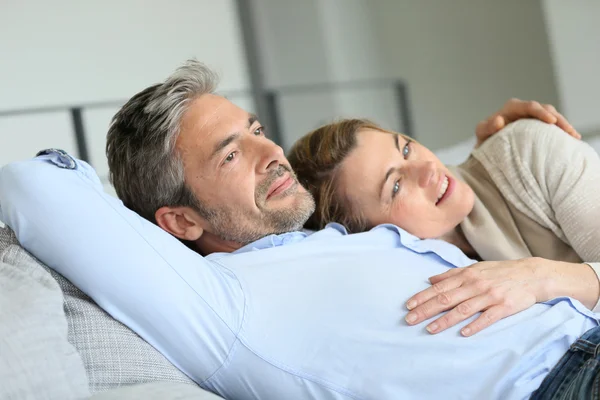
[563, 178]
[498, 289]
[558, 178]
[553, 179]
[179, 302]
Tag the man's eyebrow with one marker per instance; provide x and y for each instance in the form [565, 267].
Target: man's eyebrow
[396, 142]
[224, 143]
[252, 118]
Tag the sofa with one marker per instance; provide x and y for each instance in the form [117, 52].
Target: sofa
[56, 343]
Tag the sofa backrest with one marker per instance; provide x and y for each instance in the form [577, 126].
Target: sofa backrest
[36, 359]
[112, 354]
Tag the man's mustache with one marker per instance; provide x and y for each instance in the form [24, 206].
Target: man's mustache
[263, 188]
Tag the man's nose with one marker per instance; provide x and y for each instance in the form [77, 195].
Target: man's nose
[271, 156]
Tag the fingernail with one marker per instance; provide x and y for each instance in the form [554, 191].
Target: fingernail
[432, 328]
[410, 318]
[411, 304]
[466, 331]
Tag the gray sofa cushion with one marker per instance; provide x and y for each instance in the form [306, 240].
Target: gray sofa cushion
[36, 359]
[112, 354]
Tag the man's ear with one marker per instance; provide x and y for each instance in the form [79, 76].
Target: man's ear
[181, 222]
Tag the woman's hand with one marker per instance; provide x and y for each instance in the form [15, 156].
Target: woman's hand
[515, 109]
[498, 289]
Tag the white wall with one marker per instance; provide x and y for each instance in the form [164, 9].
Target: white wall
[574, 33]
[463, 59]
[66, 52]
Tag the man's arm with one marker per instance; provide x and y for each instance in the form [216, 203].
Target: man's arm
[515, 109]
[182, 304]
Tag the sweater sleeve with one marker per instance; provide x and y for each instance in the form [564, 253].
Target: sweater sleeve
[558, 184]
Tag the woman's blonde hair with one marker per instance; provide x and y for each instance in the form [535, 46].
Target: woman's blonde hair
[316, 158]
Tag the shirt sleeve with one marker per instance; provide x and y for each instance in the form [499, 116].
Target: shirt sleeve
[561, 177]
[185, 306]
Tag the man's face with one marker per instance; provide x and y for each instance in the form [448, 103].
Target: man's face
[242, 178]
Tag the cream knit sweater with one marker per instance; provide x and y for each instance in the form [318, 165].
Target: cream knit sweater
[552, 178]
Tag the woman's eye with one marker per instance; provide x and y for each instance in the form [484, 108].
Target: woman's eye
[259, 131]
[406, 149]
[230, 157]
[395, 188]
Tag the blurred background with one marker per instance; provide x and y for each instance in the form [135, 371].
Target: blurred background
[429, 68]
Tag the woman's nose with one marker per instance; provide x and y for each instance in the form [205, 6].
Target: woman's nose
[425, 173]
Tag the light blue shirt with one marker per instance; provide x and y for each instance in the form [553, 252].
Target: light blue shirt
[292, 316]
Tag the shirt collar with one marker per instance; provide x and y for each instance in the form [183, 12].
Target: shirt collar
[273, 241]
[444, 250]
[449, 253]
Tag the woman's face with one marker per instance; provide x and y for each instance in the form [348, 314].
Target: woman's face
[391, 179]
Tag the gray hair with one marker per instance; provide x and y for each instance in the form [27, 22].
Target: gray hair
[145, 168]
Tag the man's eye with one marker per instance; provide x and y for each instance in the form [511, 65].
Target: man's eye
[230, 157]
[260, 131]
[406, 149]
[395, 188]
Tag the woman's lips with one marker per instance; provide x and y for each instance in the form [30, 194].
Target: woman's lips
[449, 190]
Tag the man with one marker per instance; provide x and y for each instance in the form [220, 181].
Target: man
[261, 310]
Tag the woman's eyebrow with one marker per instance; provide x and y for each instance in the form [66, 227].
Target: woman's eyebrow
[387, 176]
[389, 172]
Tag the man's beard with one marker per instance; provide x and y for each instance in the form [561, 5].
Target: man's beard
[232, 225]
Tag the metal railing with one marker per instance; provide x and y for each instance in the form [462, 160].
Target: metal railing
[271, 99]
[400, 90]
[75, 112]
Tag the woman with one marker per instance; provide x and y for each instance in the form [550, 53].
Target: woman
[526, 196]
